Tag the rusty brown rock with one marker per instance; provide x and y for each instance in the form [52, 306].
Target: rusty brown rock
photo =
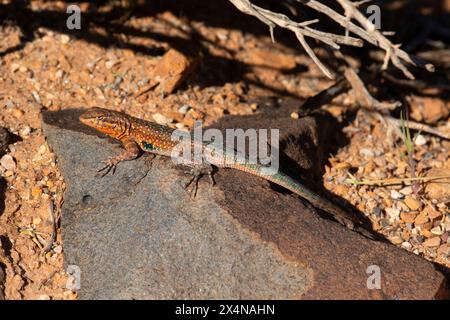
[439, 189]
[429, 110]
[172, 70]
[270, 59]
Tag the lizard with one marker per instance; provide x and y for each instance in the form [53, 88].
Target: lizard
[137, 134]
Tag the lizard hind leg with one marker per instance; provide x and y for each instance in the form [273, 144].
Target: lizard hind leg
[197, 172]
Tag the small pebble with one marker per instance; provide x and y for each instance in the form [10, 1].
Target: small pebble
[437, 231]
[408, 217]
[377, 211]
[59, 74]
[412, 203]
[110, 64]
[392, 212]
[407, 245]
[421, 218]
[420, 140]
[184, 109]
[406, 191]
[9, 104]
[42, 149]
[36, 192]
[396, 195]
[161, 119]
[57, 249]
[8, 173]
[65, 39]
[366, 152]
[25, 131]
[7, 162]
[432, 242]
[14, 67]
[294, 115]
[254, 107]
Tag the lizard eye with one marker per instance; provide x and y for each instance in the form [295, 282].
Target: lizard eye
[100, 117]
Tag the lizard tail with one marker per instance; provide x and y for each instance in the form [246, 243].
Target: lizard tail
[287, 182]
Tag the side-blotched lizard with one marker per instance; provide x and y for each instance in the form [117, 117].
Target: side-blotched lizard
[136, 134]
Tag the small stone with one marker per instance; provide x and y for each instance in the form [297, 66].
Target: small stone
[44, 297]
[254, 106]
[396, 195]
[36, 97]
[408, 217]
[172, 69]
[407, 245]
[23, 69]
[384, 223]
[421, 218]
[160, 119]
[59, 74]
[9, 104]
[36, 192]
[42, 149]
[58, 249]
[184, 109]
[432, 213]
[110, 64]
[437, 231]
[65, 39]
[180, 126]
[396, 240]
[294, 115]
[428, 109]
[432, 242]
[366, 152]
[438, 189]
[270, 59]
[412, 203]
[406, 191]
[18, 113]
[445, 237]
[444, 250]
[14, 67]
[377, 211]
[420, 140]
[37, 221]
[25, 131]
[70, 295]
[8, 173]
[8, 162]
[392, 212]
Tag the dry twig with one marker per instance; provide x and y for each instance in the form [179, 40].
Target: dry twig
[365, 30]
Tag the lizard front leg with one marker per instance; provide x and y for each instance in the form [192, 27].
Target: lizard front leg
[130, 152]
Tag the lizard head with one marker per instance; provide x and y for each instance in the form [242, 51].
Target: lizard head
[107, 121]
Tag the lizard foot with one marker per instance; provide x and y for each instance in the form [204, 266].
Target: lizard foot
[197, 172]
[110, 164]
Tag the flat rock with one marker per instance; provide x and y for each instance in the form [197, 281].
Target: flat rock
[138, 235]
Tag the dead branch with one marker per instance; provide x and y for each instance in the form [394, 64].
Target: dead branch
[363, 96]
[366, 30]
[301, 30]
